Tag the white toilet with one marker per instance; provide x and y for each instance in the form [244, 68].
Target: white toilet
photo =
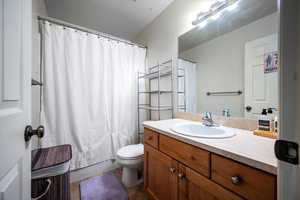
[131, 159]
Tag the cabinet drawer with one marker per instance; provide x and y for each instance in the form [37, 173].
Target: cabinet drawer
[151, 138]
[244, 180]
[194, 157]
[194, 186]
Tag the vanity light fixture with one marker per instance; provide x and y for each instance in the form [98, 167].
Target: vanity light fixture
[215, 11]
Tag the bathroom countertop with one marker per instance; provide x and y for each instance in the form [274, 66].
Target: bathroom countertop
[244, 147]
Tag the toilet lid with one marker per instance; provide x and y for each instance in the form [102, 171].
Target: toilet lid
[131, 151]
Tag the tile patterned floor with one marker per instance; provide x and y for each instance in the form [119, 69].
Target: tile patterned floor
[134, 193]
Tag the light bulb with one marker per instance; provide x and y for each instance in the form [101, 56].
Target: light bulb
[202, 24]
[232, 7]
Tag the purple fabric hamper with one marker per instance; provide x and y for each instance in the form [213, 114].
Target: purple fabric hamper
[104, 187]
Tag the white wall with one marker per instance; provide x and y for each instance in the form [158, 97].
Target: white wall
[161, 35]
[38, 9]
[220, 65]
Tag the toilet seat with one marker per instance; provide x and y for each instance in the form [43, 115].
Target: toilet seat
[131, 152]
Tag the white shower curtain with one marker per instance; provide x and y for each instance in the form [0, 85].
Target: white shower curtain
[89, 93]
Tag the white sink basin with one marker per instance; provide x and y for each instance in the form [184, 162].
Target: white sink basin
[199, 130]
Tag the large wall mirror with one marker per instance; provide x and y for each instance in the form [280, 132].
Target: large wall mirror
[228, 63]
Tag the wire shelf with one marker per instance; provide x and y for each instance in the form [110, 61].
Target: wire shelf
[156, 108]
[155, 92]
[156, 75]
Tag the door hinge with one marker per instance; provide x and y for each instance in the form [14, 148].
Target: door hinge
[287, 151]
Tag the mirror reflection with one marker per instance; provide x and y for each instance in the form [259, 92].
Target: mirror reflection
[228, 63]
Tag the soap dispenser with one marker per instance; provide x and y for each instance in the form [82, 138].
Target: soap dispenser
[264, 122]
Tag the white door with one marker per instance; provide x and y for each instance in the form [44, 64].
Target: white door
[261, 88]
[15, 68]
[288, 173]
[187, 86]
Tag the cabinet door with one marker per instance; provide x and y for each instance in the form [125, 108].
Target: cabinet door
[193, 186]
[160, 180]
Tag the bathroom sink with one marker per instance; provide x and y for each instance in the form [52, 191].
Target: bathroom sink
[202, 131]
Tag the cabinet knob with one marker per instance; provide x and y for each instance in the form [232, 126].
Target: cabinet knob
[181, 176]
[172, 170]
[236, 180]
[149, 137]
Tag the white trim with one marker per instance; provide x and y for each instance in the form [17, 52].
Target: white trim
[288, 174]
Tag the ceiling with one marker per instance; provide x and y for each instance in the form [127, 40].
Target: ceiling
[121, 18]
[247, 11]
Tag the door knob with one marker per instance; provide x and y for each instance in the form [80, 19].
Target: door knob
[29, 132]
[248, 108]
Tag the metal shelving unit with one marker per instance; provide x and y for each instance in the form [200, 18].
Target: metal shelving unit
[181, 77]
[156, 73]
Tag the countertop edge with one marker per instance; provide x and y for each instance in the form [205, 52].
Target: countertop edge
[236, 157]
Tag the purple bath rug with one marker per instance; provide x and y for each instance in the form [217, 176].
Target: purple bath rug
[104, 187]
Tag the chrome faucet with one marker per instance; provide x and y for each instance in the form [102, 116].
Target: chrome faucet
[226, 113]
[207, 119]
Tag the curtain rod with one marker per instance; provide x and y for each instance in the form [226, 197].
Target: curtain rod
[80, 28]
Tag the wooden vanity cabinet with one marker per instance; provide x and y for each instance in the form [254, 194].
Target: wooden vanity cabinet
[174, 170]
[167, 179]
